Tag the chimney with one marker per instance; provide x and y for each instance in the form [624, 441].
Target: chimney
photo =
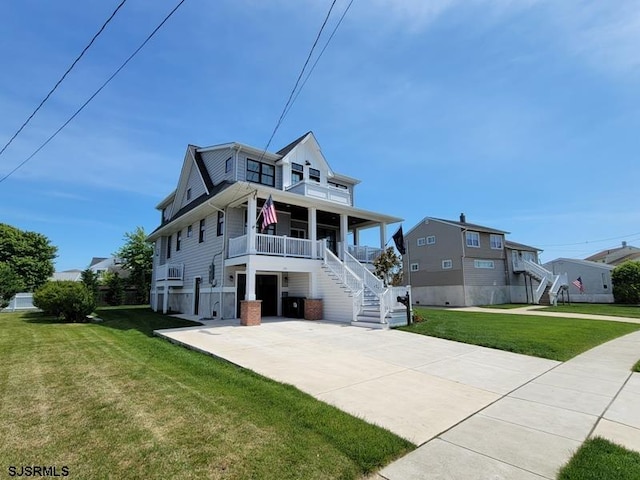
[463, 219]
[624, 244]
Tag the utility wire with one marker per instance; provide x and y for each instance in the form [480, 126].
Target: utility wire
[318, 58]
[63, 76]
[293, 91]
[589, 241]
[95, 93]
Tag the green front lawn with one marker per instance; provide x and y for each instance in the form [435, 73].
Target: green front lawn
[598, 459]
[630, 311]
[636, 367]
[506, 306]
[109, 400]
[546, 337]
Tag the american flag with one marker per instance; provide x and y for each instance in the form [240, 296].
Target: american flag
[579, 285]
[268, 213]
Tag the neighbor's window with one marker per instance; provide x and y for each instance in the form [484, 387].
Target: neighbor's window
[447, 264]
[220, 226]
[202, 231]
[415, 267]
[297, 173]
[431, 240]
[314, 175]
[496, 242]
[422, 241]
[473, 239]
[258, 172]
[178, 240]
[228, 165]
[484, 264]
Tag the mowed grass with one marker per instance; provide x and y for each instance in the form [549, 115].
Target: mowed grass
[630, 311]
[546, 337]
[110, 400]
[598, 459]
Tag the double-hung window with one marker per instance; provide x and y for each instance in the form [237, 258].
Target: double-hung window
[220, 225]
[258, 172]
[178, 240]
[421, 241]
[169, 247]
[297, 173]
[202, 231]
[314, 175]
[473, 239]
[496, 242]
[431, 240]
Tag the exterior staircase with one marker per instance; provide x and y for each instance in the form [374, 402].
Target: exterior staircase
[374, 305]
[549, 284]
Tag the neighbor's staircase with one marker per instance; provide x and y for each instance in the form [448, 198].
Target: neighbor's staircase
[374, 305]
[549, 284]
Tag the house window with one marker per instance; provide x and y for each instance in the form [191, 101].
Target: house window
[447, 264]
[178, 240]
[189, 231]
[338, 185]
[473, 239]
[169, 247]
[415, 267]
[188, 194]
[484, 264]
[202, 231]
[258, 172]
[220, 226]
[422, 241]
[297, 173]
[496, 242]
[314, 175]
[228, 165]
[431, 240]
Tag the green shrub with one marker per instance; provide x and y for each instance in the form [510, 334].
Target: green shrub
[72, 300]
[115, 288]
[10, 284]
[626, 282]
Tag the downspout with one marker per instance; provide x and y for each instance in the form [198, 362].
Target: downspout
[224, 247]
[464, 253]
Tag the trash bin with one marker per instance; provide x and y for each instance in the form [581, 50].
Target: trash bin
[293, 307]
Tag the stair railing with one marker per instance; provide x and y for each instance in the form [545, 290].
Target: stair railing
[348, 278]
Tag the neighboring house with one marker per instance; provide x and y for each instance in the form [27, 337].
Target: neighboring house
[595, 277]
[616, 256]
[73, 275]
[101, 265]
[458, 263]
[212, 256]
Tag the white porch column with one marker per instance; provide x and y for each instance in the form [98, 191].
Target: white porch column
[383, 235]
[313, 285]
[251, 282]
[165, 297]
[313, 223]
[252, 213]
[356, 236]
[344, 231]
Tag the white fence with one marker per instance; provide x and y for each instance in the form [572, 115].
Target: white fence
[22, 301]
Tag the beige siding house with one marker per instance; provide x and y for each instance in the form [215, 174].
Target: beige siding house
[457, 263]
[213, 257]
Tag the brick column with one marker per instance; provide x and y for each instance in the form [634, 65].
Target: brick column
[313, 309]
[250, 312]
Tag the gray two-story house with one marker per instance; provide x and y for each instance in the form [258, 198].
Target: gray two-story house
[457, 263]
[213, 253]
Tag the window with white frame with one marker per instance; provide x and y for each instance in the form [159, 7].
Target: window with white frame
[228, 165]
[314, 175]
[447, 264]
[415, 267]
[297, 173]
[484, 264]
[496, 242]
[422, 241]
[431, 240]
[473, 239]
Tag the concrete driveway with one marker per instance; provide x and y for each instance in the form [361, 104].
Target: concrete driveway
[413, 385]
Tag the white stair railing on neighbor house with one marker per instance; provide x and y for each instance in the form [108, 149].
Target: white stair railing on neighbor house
[559, 281]
[546, 278]
[347, 277]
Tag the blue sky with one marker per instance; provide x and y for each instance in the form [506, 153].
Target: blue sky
[522, 114]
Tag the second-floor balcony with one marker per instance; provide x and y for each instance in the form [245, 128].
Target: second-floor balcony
[278, 246]
[172, 273]
[325, 192]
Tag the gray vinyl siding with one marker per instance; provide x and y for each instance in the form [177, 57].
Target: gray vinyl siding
[234, 222]
[484, 276]
[215, 161]
[242, 168]
[298, 284]
[195, 184]
[485, 251]
[283, 227]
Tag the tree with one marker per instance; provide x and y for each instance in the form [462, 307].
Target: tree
[72, 300]
[137, 257]
[91, 280]
[626, 282]
[29, 254]
[388, 267]
[10, 284]
[115, 288]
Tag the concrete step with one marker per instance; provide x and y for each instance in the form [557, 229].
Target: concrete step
[376, 325]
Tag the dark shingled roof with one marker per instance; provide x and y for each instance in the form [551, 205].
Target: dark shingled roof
[292, 145]
[203, 169]
[471, 226]
[520, 246]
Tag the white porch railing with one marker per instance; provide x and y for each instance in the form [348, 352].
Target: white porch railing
[364, 254]
[369, 280]
[325, 192]
[279, 246]
[170, 271]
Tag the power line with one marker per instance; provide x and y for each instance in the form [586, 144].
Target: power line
[293, 91]
[95, 93]
[63, 76]
[319, 56]
[589, 241]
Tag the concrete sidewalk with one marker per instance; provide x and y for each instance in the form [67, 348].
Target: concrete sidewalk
[533, 431]
[414, 385]
[533, 310]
